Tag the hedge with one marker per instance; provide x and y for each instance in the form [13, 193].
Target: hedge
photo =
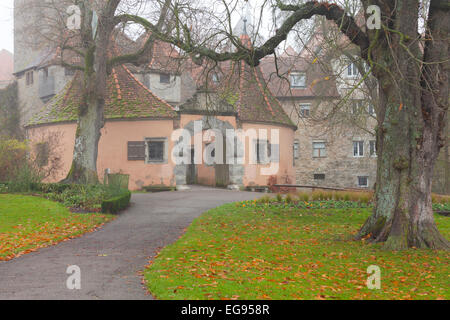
[117, 204]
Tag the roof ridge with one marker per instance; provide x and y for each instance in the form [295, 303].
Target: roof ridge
[262, 91]
[119, 94]
[241, 85]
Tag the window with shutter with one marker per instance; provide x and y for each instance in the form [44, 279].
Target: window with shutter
[136, 151]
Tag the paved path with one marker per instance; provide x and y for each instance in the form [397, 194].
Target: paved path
[111, 258]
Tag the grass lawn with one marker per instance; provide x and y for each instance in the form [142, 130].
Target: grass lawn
[245, 252]
[28, 223]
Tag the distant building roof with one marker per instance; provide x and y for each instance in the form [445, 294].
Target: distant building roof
[6, 67]
[126, 98]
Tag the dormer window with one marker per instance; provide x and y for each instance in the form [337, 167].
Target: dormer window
[298, 79]
[352, 70]
[305, 110]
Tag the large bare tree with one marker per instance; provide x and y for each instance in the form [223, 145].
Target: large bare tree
[86, 34]
[412, 71]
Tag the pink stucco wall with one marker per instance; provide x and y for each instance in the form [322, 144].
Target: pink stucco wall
[253, 172]
[113, 151]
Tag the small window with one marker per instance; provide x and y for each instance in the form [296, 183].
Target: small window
[164, 78]
[356, 106]
[156, 150]
[319, 150]
[358, 148]
[319, 176]
[352, 71]
[373, 148]
[296, 149]
[263, 151]
[298, 80]
[363, 181]
[69, 71]
[305, 110]
[29, 78]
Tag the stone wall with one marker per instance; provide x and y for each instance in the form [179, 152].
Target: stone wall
[29, 100]
[340, 167]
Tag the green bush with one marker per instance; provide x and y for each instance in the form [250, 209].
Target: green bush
[23, 179]
[117, 203]
[13, 154]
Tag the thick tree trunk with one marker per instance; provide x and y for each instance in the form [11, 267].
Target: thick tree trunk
[409, 133]
[84, 163]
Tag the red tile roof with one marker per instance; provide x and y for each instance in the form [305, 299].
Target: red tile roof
[126, 98]
[246, 89]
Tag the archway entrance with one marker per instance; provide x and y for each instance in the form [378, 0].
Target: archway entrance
[216, 175]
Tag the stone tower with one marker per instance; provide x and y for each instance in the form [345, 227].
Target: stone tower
[35, 23]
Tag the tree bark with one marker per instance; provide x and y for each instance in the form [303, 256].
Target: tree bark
[409, 133]
[87, 137]
[90, 111]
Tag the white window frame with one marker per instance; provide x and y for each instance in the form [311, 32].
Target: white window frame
[356, 106]
[358, 152]
[363, 186]
[165, 152]
[373, 147]
[320, 155]
[296, 149]
[351, 71]
[305, 107]
[297, 79]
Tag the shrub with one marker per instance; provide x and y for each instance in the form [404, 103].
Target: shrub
[24, 178]
[13, 155]
[279, 197]
[117, 203]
